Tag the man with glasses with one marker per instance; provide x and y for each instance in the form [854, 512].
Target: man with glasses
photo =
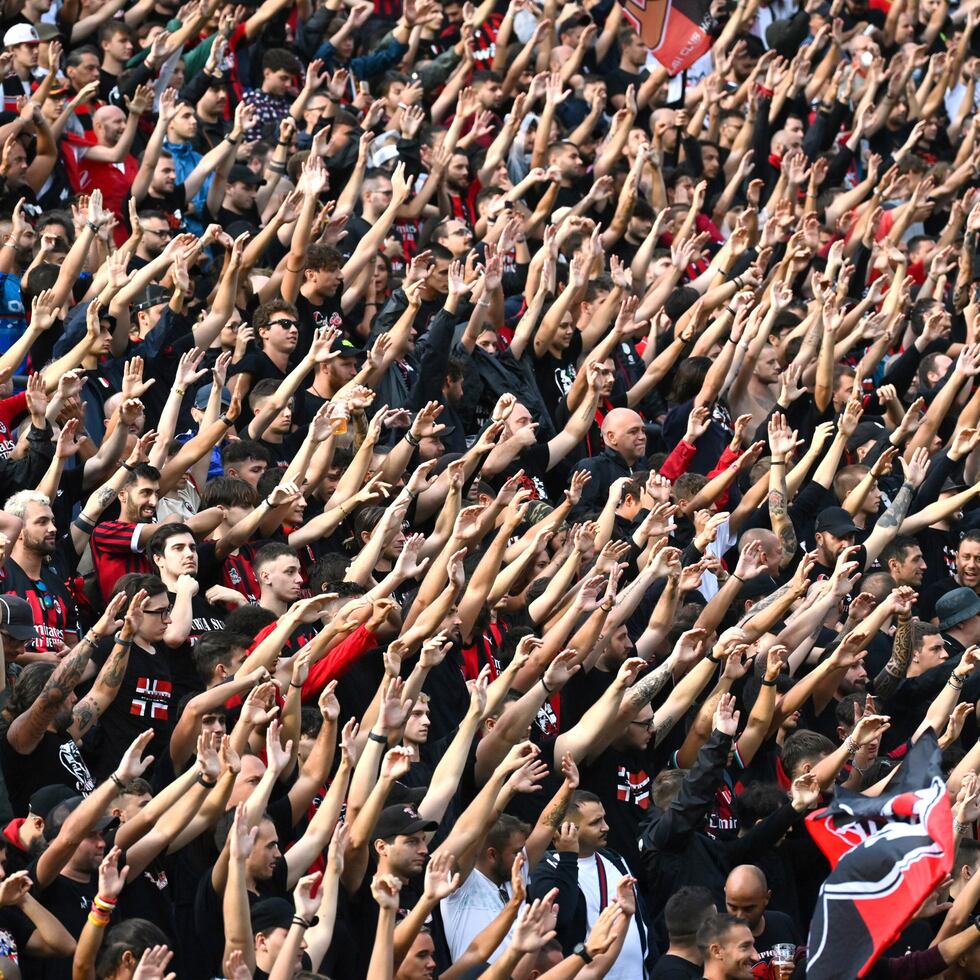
[33, 573]
[156, 237]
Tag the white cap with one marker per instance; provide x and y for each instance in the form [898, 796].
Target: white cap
[21, 34]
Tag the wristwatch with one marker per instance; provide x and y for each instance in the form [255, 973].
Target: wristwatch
[580, 950]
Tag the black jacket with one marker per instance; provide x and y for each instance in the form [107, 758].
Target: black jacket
[673, 850]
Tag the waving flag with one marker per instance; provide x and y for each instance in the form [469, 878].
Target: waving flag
[888, 853]
[678, 32]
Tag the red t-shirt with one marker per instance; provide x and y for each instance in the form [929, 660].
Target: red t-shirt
[116, 552]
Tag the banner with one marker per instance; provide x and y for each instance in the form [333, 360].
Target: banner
[888, 854]
[678, 32]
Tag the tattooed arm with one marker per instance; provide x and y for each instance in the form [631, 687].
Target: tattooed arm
[893, 673]
[889, 523]
[88, 711]
[540, 838]
[100, 498]
[28, 728]
[778, 514]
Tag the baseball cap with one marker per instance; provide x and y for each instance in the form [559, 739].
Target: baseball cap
[204, 394]
[957, 607]
[837, 521]
[240, 174]
[21, 34]
[346, 348]
[400, 793]
[271, 913]
[44, 800]
[401, 820]
[47, 32]
[16, 618]
[60, 813]
[865, 432]
[153, 295]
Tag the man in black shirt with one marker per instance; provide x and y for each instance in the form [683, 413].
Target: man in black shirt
[686, 911]
[747, 895]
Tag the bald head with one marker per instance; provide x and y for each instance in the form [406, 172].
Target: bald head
[623, 431]
[109, 122]
[747, 894]
[771, 547]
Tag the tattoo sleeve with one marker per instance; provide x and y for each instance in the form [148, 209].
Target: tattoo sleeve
[778, 513]
[66, 676]
[895, 514]
[893, 673]
[647, 688]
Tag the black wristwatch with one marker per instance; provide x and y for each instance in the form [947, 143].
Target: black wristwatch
[580, 950]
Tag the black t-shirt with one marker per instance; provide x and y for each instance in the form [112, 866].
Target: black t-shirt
[144, 700]
[15, 932]
[555, 374]
[225, 217]
[69, 902]
[204, 618]
[670, 967]
[779, 928]
[55, 761]
[258, 366]
[311, 317]
[173, 204]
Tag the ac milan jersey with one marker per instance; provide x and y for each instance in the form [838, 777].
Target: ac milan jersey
[52, 606]
[116, 551]
[234, 572]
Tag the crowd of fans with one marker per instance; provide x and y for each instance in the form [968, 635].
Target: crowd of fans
[466, 495]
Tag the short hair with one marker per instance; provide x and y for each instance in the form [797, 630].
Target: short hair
[848, 477]
[74, 58]
[967, 853]
[134, 582]
[501, 831]
[758, 801]
[111, 28]
[715, 928]
[485, 75]
[16, 506]
[228, 491]
[249, 620]
[157, 544]
[581, 796]
[844, 711]
[803, 746]
[898, 548]
[266, 388]
[310, 721]
[689, 485]
[267, 311]
[920, 631]
[135, 787]
[686, 911]
[133, 936]
[971, 537]
[279, 59]
[215, 647]
[271, 552]
[323, 257]
[666, 786]
[239, 450]
[141, 471]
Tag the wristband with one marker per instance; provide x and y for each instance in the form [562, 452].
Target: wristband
[284, 143]
[380, 739]
[410, 439]
[93, 226]
[713, 658]
[547, 689]
[291, 684]
[117, 781]
[956, 683]
[99, 919]
[206, 783]
[960, 830]
[105, 904]
[178, 390]
[771, 683]
[850, 746]
[233, 140]
[227, 421]
[119, 641]
[84, 524]
[298, 920]
[127, 467]
[91, 638]
[739, 577]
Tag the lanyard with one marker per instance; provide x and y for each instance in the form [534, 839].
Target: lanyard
[603, 887]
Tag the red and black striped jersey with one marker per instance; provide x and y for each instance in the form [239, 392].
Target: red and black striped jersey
[116, 551]
[52, 606]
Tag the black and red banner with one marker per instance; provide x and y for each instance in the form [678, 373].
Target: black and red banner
[678, 32]
[888, 854]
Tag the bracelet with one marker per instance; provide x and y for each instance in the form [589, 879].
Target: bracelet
[547, 690]
[771, 683]
[105, 904]
[127, 467]
[728, 309]
[298, 920]
[277, 168]
[777, 462]
[284, 143]
[738, 281]
[291, 684]
[960, 829]
[84, 524]
[956, 683]
[99, 919]
[739, 577]
[410, 439]
[117, 781]
[227, 421]
[9, 244]
[207, 784]
[380, 739]
[119, 641]
[482, 302]
[713, 658]
[233, 140]
[92, 226]
[91, 639]
[850, 746]
[180, 391]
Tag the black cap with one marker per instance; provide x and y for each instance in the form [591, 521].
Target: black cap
[865, 432]
[271, 913]
[44, 800]
[953, 485]
[837, 521]
[16, 618]
[400, 793]
[60, 813]
[401, 820]
[347, 348]
[153, 295]
[240, 174]
[957, 607]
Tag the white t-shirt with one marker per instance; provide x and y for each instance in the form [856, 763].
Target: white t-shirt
[629, 963]
[472, 907]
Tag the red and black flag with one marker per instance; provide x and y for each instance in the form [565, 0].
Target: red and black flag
[888, 854]
[678, 32]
